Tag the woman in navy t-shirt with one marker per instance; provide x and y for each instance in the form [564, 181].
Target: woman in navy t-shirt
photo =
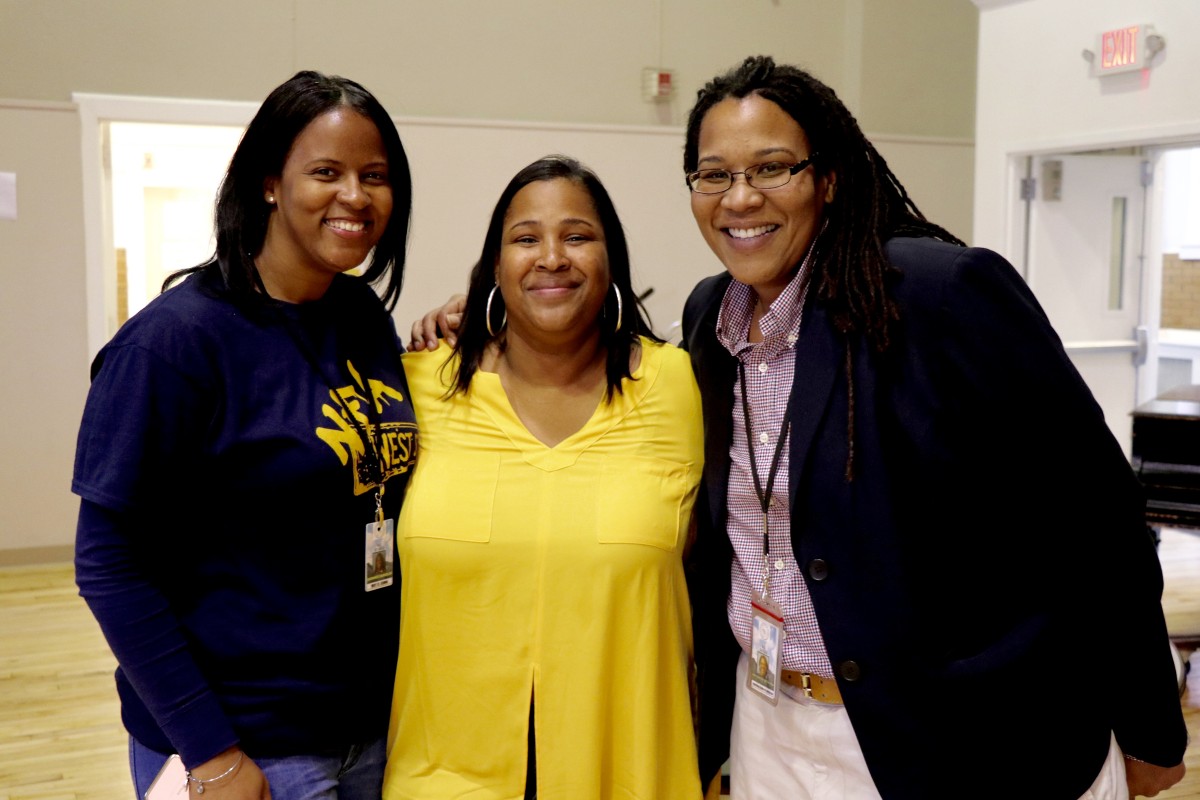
[241, 462]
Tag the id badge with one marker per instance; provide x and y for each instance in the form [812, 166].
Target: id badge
[766, 634]
[380, 539]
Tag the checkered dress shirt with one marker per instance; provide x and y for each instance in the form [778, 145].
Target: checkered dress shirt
[769, 367]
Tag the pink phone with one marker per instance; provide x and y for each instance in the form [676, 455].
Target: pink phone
[170, 783]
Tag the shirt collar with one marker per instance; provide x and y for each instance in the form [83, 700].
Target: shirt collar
[780, 325]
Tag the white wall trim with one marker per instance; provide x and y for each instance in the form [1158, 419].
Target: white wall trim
[165, 109]
[662, 130]
[572, 127]
[36, 105]
[1174, 133]
[96, 256]
[902, 138]
[984, 5]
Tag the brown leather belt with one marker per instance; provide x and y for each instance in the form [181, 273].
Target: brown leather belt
[824, 690]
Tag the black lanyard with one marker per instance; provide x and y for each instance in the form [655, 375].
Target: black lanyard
[764, 498]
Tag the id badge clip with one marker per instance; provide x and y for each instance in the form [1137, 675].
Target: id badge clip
[766, 636]
[380, 541]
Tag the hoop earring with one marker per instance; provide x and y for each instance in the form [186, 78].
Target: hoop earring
[620, 309]
[487, 314]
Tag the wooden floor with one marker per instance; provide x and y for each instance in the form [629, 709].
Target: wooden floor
[60, 734]
[60, 729]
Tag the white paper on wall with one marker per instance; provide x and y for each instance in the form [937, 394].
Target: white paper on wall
[8, 195]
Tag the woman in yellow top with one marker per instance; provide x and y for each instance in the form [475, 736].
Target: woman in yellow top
[545, 637]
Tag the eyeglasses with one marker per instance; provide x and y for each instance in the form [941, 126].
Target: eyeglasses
[770, 175]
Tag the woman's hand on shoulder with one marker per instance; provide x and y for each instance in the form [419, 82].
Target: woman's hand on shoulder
[244, 781]
[447, 319]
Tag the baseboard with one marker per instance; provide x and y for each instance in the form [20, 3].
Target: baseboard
[23, 556]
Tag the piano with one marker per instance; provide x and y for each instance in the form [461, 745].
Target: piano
[1166, 457]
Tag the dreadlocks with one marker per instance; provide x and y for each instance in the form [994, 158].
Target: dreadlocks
[871, 205]
[850, 266]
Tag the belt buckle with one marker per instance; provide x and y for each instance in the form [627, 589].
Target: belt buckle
[806, 684]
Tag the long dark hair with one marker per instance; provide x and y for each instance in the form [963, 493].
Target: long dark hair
[241, 211]
[473, 335]
[871, 206]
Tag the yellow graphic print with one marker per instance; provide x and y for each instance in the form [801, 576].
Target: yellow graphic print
[397, 441]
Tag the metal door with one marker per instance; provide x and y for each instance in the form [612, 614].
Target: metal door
[1085, 267]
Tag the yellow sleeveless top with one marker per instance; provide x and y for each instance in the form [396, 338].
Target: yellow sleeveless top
[552, 575]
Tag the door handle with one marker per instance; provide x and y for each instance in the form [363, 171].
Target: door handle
[1141, 335]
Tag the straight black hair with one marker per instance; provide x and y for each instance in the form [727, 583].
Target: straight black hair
[473, 335]
[241, 212]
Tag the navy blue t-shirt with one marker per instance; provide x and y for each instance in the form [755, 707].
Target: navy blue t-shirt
[226, 492]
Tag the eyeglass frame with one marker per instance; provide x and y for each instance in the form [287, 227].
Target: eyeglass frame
[793, 171]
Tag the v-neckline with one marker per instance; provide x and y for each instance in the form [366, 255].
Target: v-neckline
[515, 427]
[494, 401]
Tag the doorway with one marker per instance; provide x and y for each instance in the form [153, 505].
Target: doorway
[1099, 226]
[162, 181]
[1179, 330]
[97, 116]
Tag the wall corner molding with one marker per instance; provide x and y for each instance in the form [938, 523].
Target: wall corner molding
[985, 5]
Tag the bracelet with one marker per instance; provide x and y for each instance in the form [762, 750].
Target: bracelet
[200, 783]
[1134, 758]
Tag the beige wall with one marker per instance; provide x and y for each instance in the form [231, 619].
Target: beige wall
[43, 345]
[565, 60]
[906, 70]
[919, 68]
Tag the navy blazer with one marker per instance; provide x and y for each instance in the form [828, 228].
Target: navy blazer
[985, 585]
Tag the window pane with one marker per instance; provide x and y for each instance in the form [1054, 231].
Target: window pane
[1116, 257]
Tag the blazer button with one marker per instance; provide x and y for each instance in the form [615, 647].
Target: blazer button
[818, 569]
[850, 671]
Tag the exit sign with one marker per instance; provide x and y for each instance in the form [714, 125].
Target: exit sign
[1121, 50]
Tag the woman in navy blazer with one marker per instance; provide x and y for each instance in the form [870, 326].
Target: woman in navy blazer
[967, 528]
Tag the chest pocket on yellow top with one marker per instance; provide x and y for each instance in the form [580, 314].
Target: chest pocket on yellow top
[451, 497]
[643, 501]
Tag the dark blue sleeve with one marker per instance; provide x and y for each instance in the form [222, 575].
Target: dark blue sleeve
[143, 419]
[142, 428]
[145, 636]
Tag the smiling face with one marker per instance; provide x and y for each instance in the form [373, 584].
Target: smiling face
[553, 264]
[332, 202]
[760, 235]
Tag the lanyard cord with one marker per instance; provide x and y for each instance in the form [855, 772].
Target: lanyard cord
[764, 498]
